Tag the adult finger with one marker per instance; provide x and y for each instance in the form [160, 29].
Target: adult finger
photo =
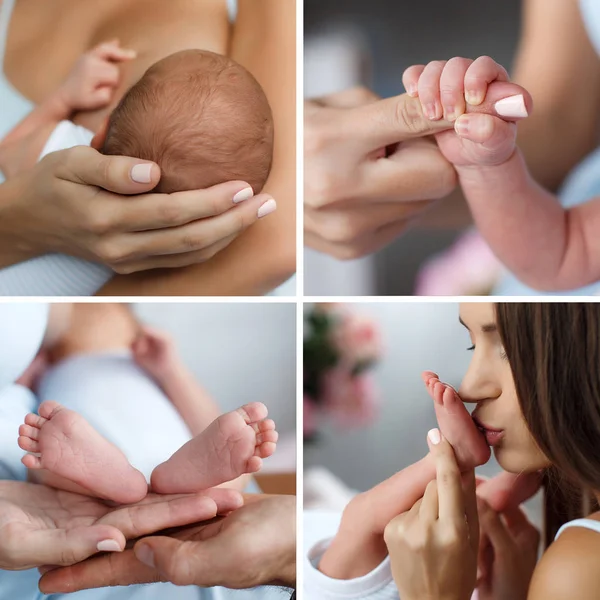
[415, 171]
[182, 563]
[450, 493]
[136, 521]
[350, 98]
[64, 546]
[102, 571]
[508, 101]
[429, 510]
[390, 121]
[470, 495]
[520, 526]
[119, 174]
[199, 234]
[172, 261]
[156, 211]
[491, 524]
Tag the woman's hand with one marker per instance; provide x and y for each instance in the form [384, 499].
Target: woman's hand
[370, 171]
[43, 526]
[433, 547]
[507, 555]
[74, 202]
[254, 545]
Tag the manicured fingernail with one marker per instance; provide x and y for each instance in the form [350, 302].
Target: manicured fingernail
[142, 173]
[513, 107]
[434, 436]
[474, 98]
[144, 554]
[267, 208]
[242, 195]
[108, 546]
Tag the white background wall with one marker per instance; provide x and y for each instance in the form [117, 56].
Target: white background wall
[239, 352]
[417, 337]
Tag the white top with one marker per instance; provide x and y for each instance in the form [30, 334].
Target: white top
[56, 274]
[319, 529]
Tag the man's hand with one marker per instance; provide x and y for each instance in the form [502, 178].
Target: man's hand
[254, 545]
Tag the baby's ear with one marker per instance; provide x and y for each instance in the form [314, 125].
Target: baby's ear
[100, 137]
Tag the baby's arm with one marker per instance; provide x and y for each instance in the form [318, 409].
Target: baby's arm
[546, 246]
[155, 352]
[89, 86]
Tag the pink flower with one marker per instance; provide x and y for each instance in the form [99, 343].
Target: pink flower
[357, 339]
[351, 401]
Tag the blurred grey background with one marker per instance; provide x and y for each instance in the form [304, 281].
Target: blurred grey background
[240, 353]
[353, 41]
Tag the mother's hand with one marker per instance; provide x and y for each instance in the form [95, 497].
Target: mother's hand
[80, 202]
[43, 526]
[369, 171]
[433, 547]
[254, 545]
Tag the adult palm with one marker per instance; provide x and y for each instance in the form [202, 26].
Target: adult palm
[43, 526]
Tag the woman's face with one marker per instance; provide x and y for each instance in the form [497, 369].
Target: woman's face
[489, 383]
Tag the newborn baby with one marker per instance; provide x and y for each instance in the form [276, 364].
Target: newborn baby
[202, 117]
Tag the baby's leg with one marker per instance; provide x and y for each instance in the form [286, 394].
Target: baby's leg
[233, 444]
[456, 424]
[74, 455]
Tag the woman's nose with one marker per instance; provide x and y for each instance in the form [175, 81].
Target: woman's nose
[478, 385]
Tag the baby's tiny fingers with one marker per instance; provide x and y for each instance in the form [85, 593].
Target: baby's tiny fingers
[112, 51]
[479, 75]
[410, 79]
[429, 90]
[452, 93]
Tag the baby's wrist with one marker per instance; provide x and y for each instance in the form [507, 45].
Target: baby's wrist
[59, 105]
[478, 172]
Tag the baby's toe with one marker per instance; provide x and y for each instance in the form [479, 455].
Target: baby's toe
[267, 436]
[29, 431]
[35, 420]
[32, 462]
[255, 411]
[47, 408]
[254, 464]
[265, 450]
[27, 444]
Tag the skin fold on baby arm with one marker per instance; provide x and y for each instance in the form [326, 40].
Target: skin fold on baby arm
[546, 246]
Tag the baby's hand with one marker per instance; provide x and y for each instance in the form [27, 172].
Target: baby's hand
[95, 76]
[155, 352]
[478, 99]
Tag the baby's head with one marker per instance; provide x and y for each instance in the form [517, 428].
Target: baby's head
[201, 117]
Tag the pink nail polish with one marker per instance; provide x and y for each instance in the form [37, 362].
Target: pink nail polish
[434, 436]
[242, 195]
[512, 107]
[142, 173]
[267, 208]
[108, 546]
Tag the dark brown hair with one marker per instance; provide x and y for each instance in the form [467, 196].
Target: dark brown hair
[554, 353]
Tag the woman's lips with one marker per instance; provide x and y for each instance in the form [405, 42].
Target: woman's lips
[492, 435]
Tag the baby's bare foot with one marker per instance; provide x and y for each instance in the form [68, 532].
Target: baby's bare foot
[67, 446]
[232, 445]
[456, 424]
